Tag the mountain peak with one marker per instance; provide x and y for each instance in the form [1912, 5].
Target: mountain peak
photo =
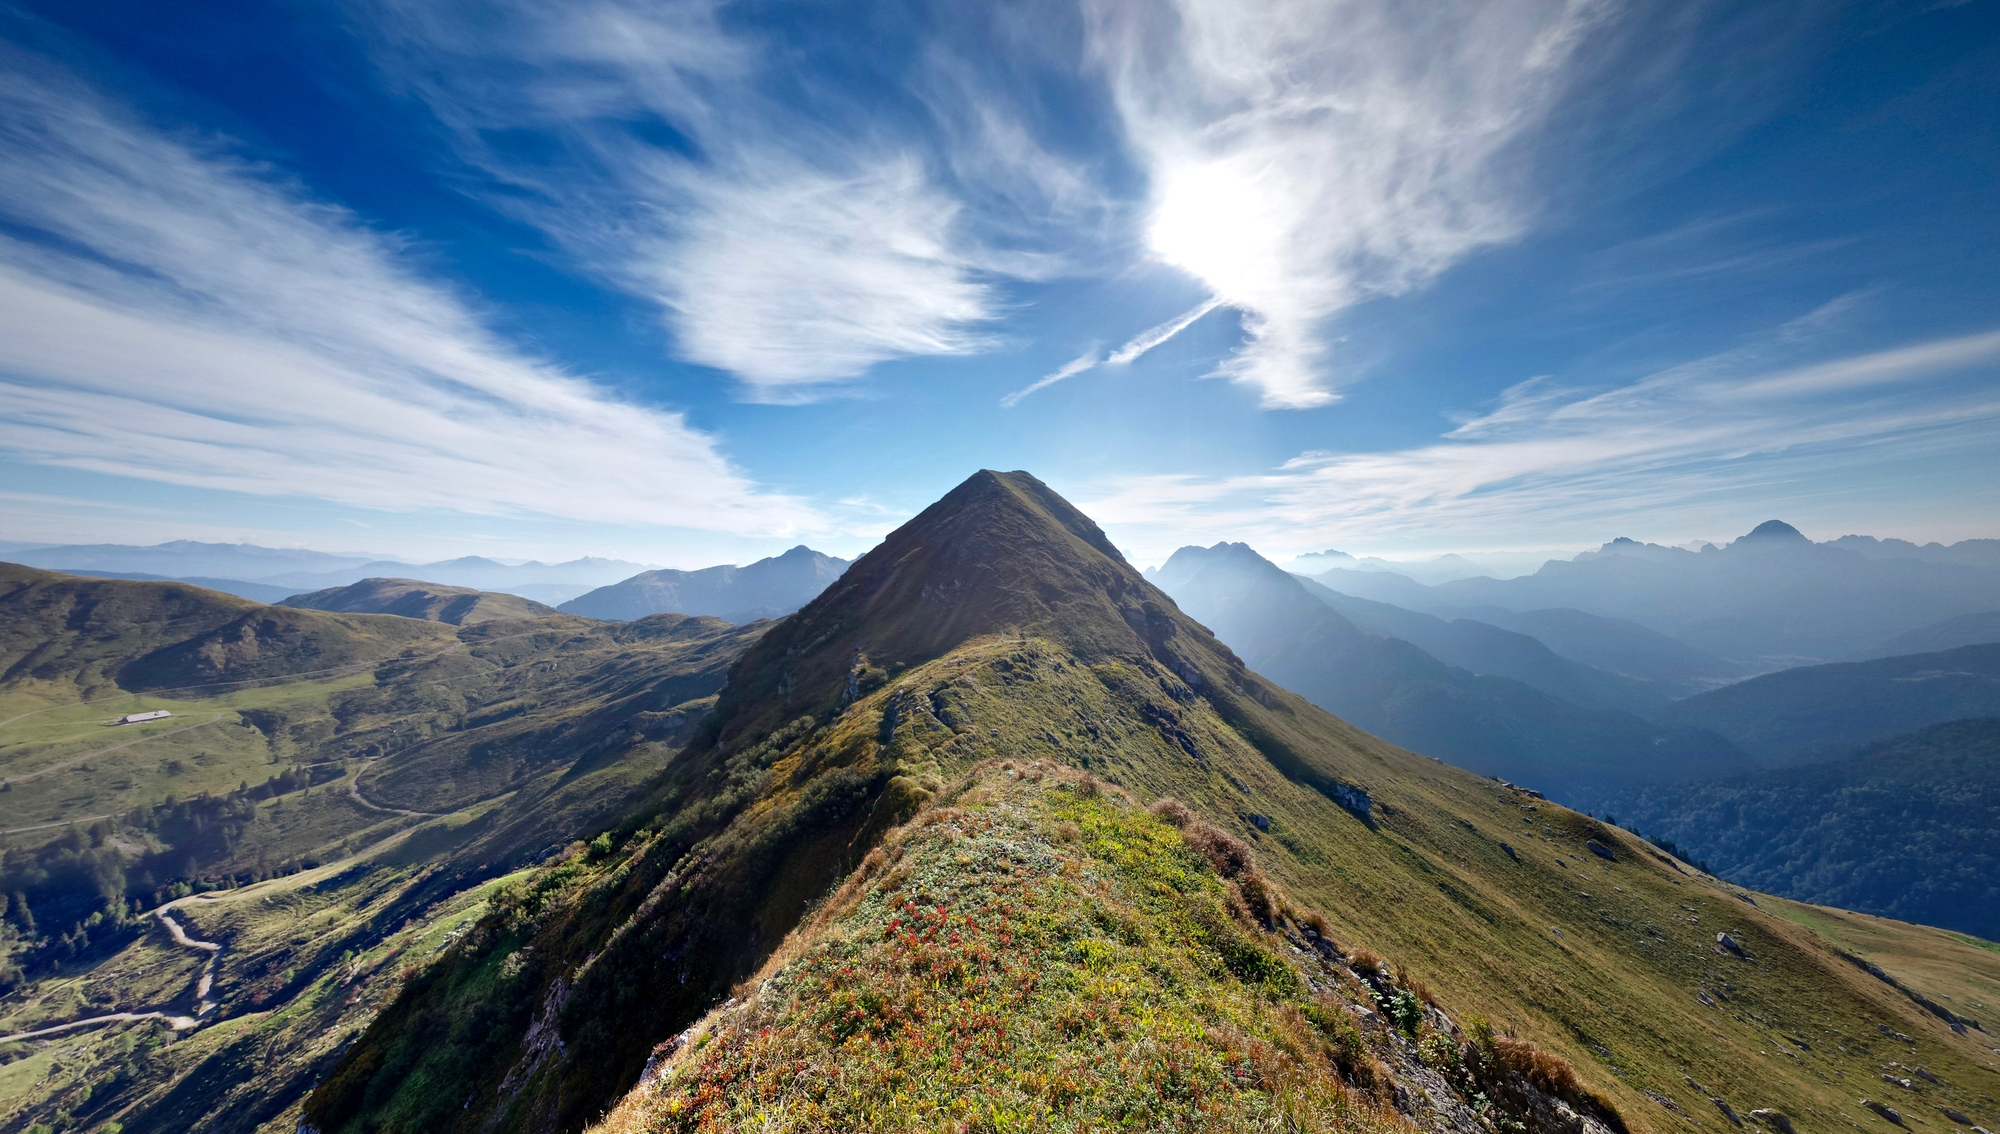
[1773, 531]
[1000, 554]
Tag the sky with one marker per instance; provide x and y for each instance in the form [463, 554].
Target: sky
[692, 282]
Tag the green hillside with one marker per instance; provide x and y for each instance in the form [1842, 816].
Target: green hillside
[1000, 625]
[69, 638]
[329, 831]
[1038, 952]
[411, 598]
[1908, 828]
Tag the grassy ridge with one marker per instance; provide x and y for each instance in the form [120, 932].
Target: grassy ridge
[1000, 625]
[72, 638]
[1037, 953]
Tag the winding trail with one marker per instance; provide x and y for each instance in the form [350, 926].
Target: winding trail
[354, 789]
[204, 985]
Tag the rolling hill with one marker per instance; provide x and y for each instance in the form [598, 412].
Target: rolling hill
[1618, 646]
[88, 637]
[991, 835]
[1907, 828]
[1486, 649]
[409, 598]
[768, 588]
[1965, 630]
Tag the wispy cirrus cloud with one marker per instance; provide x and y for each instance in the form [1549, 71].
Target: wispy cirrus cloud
[172, 312]
[1308, 155]
[1131, 352]
[1548, 463]
[779, 246]
[794, 278]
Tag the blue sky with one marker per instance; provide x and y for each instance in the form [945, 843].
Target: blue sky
[691, 282]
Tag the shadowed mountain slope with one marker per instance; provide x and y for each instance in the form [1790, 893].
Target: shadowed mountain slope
[1397, 690]
[1000, 625]
[1618, 646]
[1825, 711]
[1966, 630]
[1908, 828]
[768, 588]
[411, 598]
[1487, 649]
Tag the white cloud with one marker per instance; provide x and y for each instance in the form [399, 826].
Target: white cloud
[1548, 464]
[794, 277]
[1124, 356]
[1070, 369]
[778, 249]
[1310, 154]
[183, 316]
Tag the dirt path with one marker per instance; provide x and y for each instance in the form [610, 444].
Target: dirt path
[57, 823]
[204, 986]
[75, 760]
[354, 789]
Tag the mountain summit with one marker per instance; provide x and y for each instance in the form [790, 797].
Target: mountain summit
[1774, 531]
[992, 834]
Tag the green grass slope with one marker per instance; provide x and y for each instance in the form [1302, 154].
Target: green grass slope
[999, 625]
[84, 638]
[412, 598]
[317, 828]
[1908, 828]
[1036, 952]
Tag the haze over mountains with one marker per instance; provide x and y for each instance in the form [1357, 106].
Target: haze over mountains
[269, 574]
[768, 588]
[1769, 600]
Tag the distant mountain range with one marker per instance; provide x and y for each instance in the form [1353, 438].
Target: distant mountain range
[269, 574]
[1769, 600]
[768, 588]
[1490, 708]
[1563, 700]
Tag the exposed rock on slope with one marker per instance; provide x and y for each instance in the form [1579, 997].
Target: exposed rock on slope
[412, 598]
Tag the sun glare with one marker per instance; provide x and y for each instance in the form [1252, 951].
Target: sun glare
[1215, 221]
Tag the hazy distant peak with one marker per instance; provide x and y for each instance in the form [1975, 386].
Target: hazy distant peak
[1184, 564]
[1313, 562]
[1774, 531]
[1630, 548]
